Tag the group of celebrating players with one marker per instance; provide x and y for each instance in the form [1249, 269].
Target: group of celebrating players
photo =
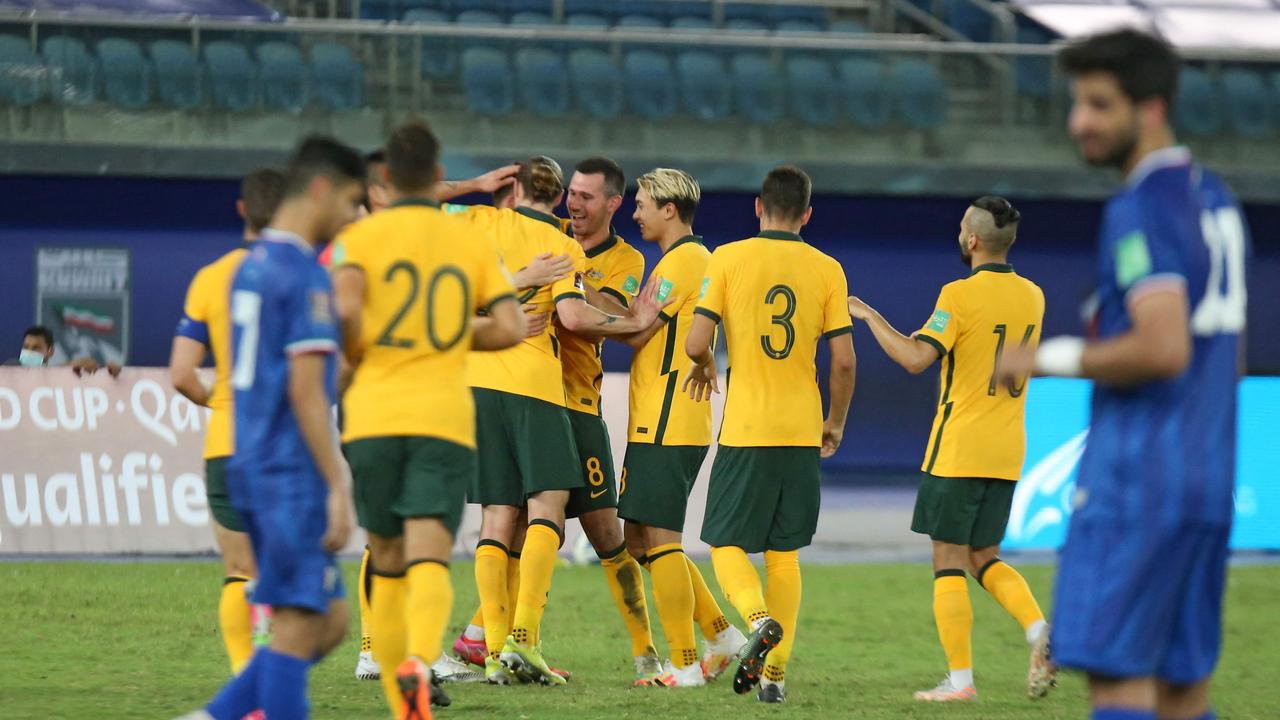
[462, 345]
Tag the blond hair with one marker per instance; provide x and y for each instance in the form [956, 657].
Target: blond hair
[677, 187]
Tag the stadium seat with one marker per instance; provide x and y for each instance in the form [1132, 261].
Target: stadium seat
[602, 8]
[691, 23]
[813, 14]
[1249, 104]
[126, 74]
[745, 25]
[649, 90]
[1033, 73]
[919, 97]
[597, 84]
[848, 27]
[968, 19]
[439, 54]
[1198, 111]
[233, 78]
[700, 10]
[810, 87]
[759, 94]
[284, 76]
[179, 77]
[704, 87]
[487, 82]
[864, 92]
[378, 9]
[798, 26]
[756, 12]
[641, 22]
[542, 82]
[530, 19]
[338, 76]
[73, 72]
[540, 7]
[22, 75]
[479, 17]
[587, 20]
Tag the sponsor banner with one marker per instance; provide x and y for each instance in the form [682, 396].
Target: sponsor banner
[82, 295]
[1058, 429]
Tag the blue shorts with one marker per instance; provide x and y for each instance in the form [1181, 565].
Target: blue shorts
[1135, 600]
[286, 528]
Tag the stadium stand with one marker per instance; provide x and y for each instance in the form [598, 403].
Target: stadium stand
[22, 74]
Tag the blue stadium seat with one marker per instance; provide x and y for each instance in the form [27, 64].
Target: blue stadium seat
[597, 84]
[338, 76]
[848, 27]
[478, 17]
[756, 12]
[1198, 110]
[700, 9]
[641, 22]
[814, 14]
[650, 93]
[747, 25]
[541, 7]
[603, 8]
[919, 97]
[1033, 73]
[810, 87]
[798, 26]
[968, 19]
[378, 9]
[1250, 106]
[233, 78]
[704, 86]
[439, 54]
[530, 19]
[586, 20]
[22, 75]
[691, 23]
[179, 77]
[759, 93]
[542, 82]
[493, 7]
[660, 9]
[284, 76]
[487, 82]
[73, 72]
[126, 74]
[864, 92]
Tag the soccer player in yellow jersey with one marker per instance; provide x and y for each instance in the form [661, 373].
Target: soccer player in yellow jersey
[668, 433]
[777, 298]
[527, 453]
[408, 282]
[205, 328]
[978, 441]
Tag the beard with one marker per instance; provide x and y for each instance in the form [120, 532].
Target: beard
[966, 257]
[1118, 153]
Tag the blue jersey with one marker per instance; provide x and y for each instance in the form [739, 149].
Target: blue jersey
[281, 306]
[1165, 451]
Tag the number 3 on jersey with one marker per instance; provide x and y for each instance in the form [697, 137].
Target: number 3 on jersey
[783, 318]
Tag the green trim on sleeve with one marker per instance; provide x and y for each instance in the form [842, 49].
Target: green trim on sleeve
[567, 295]
[838, 332]
[929, 339]
[704, 312]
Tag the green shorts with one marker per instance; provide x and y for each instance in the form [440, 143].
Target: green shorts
[526, 447]
[763, 498]
[656, 482]
[400, 478]
[215, 488]
[963, 511]
[595, 457]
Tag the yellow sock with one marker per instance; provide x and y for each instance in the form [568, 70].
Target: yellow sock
[706, 611]
[491, 585]
[234, 620]
[390, 636]
[537, 564]
[362, 591]
[673, 593]
[1009, 589]
[513, 588]
[622, 572]
[429, 602]
[740, 582]
[782, 595]
[478, 618]
[954, 616]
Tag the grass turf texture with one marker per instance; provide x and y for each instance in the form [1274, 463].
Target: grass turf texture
[117, 640]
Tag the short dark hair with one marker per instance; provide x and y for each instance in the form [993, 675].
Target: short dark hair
[786, 191]
[261, 192]
[1004, 217]
[318, 156]
[1144, 66]
[615, 181]
[41, 332]
[371, 160]
[413, 152]
[503, 192]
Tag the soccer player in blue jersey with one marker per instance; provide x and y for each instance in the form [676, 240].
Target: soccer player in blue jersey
[287, 479]
[1141, 577]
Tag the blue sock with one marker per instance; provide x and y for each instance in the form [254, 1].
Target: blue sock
[282, 686]
[240, 696]
[1113, 713]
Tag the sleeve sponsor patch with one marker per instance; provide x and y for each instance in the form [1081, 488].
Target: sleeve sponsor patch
[706, 282]
[1133, 259]
[939, 321]
[321, 314]
[664, 290]
[631, 285]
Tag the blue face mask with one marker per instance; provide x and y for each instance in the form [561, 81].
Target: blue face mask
[31, 358]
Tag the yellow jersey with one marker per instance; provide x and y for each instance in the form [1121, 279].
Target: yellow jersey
[427, 274]
[207, 318]
[614, 268]
[979, 430]
[777, 297]
[531, 368]
[660, 413]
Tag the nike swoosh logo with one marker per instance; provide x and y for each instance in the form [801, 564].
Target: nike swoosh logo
[595, 495]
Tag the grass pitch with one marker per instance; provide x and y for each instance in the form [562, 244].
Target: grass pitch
[123, 640]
